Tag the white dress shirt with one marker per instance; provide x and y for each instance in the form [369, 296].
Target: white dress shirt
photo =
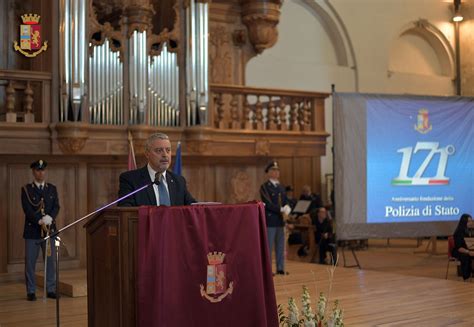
[39, 185]
[274, 182]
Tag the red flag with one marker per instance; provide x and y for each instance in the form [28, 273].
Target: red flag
[132, 163]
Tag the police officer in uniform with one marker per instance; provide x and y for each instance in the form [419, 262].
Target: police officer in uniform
[41, 206]
[276, 207]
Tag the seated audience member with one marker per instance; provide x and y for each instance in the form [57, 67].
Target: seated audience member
[324, 234]
[461, 251]
[315, 199]
[290, 197]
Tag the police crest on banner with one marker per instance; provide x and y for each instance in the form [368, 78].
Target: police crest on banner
[30, 37]
[216, 288]
[423, 122]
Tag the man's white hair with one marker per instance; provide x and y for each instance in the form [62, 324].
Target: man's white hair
[152, 137]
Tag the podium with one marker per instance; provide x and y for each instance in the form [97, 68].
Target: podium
[112, 267]
[199, 265]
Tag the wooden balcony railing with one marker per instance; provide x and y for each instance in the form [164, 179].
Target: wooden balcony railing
[25, 96]
[251, 108]
[264, 114]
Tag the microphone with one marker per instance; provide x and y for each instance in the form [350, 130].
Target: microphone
[157, 179]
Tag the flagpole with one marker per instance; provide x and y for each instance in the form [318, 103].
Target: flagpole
[178, 161]
[132, 150]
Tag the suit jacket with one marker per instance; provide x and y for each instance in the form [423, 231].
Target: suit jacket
[134, 179]
[274, 198]
[315, 199]
[31, 197]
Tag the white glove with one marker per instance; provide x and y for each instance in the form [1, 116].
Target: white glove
[47, 220]
[286, 210]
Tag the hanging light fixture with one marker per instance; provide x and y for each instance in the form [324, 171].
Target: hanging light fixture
[457, 12]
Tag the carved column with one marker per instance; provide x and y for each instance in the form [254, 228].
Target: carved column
[248, 119]
[219, 104]
[294, 115]
[282, 114]
[28, 104]
[234, 113]
[139, 14]
[11, 114]
[272, 115]
[259, 114]
[261, 18]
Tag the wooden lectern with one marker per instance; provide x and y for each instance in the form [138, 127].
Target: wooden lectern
[137, 273]
[112, 267]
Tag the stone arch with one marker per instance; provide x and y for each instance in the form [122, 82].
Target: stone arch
[436, 40]
[335, 30]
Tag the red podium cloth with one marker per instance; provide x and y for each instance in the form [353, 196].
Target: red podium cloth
[173, 248]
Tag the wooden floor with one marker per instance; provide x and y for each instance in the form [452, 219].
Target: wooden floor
[396, 288]
[72, 283]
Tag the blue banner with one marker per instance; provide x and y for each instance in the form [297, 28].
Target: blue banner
[420, 159]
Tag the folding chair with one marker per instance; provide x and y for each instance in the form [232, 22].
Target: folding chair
[450, 254]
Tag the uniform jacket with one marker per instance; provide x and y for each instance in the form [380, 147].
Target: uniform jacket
[31, 197]
[134, 179]
[274, 198]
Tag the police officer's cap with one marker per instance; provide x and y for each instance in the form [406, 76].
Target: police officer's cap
[272, 165]
[39, 164]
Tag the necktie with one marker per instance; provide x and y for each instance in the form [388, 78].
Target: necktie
[163, 193]
[41, 187]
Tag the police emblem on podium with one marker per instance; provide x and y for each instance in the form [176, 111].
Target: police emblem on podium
[216, 287]
[30, 37]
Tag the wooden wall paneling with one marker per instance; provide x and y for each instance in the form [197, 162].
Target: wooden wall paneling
[222, 183]
[236, 183]
[81, 207]
[18, 175]
[45, 59]
[286, 171]
[4, 232]
[261, 175]
[64, 177]
[316, 183]
[52, 115]
[201, 181]
[303, 174]
[102, 187]
[103, 184]
[4, 35]
[243, 185]
[16, 9]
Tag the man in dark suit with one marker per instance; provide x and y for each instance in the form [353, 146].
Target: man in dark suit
[315, 199]
[276, 205]
[324, 235]
[41, 206]
[171, 189]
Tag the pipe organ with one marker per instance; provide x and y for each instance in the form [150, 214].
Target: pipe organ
[72, 59]
[133, 76]
[197, 92]
[163, 88]
[138, 77]
[105, 86]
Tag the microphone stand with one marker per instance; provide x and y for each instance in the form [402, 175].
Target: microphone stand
[57, 241]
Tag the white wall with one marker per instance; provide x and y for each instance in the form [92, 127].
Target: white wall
[380, 59]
